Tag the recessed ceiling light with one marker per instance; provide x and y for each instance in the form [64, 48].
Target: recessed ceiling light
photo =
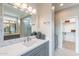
[53, 7]
[61, 4]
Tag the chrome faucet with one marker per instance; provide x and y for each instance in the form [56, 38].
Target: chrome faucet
[28, 39]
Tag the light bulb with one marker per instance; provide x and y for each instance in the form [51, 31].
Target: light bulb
[61, 4]
[24, 6]
[34, 11]
[53, 7]
[29, 8]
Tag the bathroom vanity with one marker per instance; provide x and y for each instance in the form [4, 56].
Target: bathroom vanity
[36, 47]
[17, 26]
[42, 50]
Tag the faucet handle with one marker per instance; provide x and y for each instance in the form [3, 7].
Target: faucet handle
[24, 40]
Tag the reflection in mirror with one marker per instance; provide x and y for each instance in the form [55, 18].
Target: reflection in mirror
[9, 24]
[26, 26]
[16, 23]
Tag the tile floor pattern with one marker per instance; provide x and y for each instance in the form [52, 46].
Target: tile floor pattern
[65, 52]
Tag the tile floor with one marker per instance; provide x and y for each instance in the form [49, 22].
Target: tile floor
[65, 52]
[69, 45]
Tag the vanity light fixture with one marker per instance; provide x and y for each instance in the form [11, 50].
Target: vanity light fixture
[30, 9]
[5, 21]
[61, 4]
[34, 11]
[16, 4]
[24, 7]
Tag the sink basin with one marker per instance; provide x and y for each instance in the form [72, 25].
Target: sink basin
[31, 42]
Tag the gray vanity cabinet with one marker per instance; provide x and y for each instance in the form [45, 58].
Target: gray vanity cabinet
[42, 50]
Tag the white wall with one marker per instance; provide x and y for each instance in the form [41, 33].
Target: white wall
[35, 22]
[34, 17]
[46, 24]
[69, 12]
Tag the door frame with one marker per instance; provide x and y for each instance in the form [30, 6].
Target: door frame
[77, 33]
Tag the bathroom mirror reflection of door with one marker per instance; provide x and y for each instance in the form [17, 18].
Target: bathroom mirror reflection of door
[26, 26]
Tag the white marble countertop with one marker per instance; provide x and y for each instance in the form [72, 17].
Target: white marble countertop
[19, 48]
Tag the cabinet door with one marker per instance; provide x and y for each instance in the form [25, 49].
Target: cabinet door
[37, 53]
[45, 49]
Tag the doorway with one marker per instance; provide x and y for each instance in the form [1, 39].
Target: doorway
[69, 33]
[68, 37]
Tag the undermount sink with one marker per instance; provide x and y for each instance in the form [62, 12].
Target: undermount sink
[30, 42]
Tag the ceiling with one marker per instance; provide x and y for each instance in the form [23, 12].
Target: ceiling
[9, 10]
[66, 5]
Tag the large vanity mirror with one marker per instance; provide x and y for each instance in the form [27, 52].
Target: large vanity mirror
[17, 22]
